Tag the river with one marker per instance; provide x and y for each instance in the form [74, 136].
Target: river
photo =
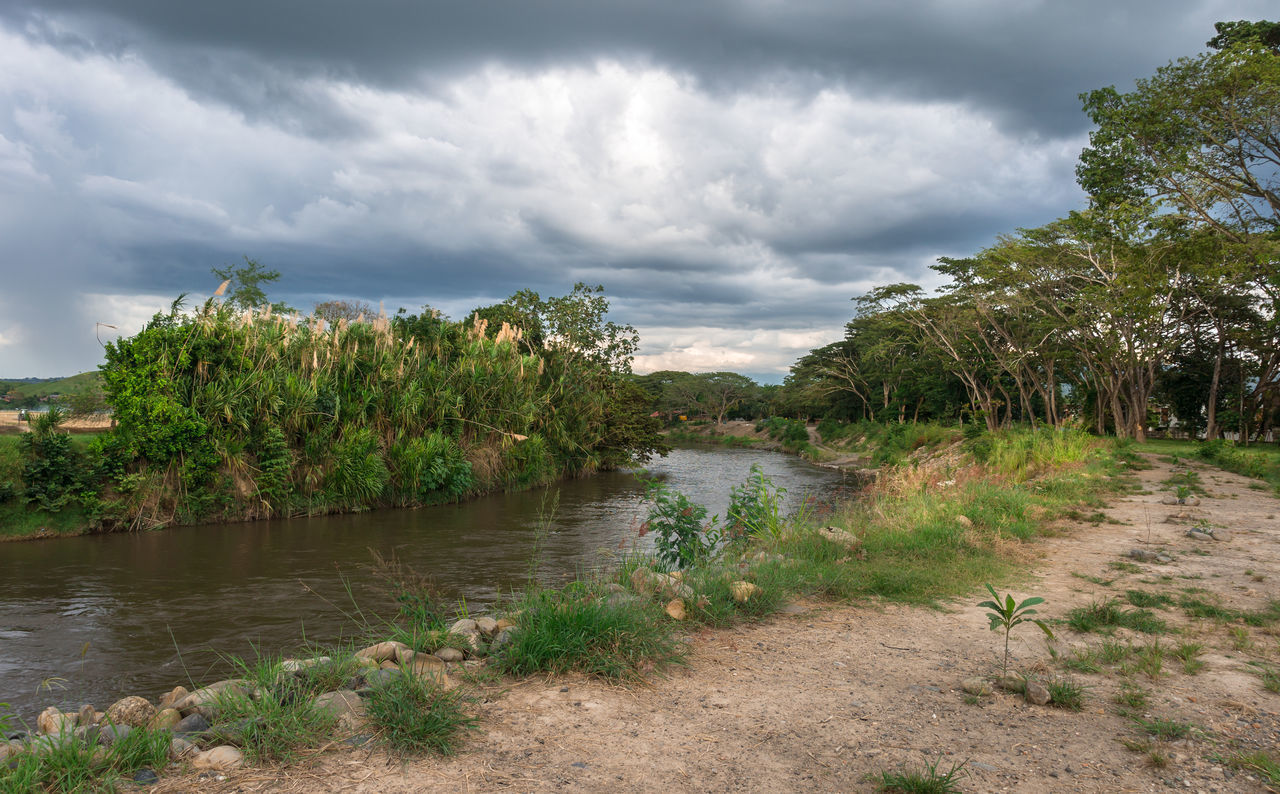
[95, 618]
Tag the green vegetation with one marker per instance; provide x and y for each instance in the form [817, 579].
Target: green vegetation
[1259, 761]
[67, 765]
[1006, 614]
[1066, 693]
[273, 717]
[416, 716]
[230, 414]
[928, 780]
[1108, 615]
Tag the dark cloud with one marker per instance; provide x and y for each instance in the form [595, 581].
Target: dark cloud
[1023, 61]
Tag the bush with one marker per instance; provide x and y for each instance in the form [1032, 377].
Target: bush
[755, 507]
[681, 539]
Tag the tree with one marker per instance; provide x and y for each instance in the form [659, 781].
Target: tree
[721, 391]
[1199, 136]
[334, 311]
[243, 286]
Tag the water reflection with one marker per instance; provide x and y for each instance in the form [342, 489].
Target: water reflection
[124, 614]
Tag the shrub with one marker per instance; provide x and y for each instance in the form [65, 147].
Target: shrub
[681, 539]
[755, 507]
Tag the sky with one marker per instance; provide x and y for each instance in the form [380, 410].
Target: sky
[732, 172]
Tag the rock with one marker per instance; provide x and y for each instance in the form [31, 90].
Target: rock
[426, 665]
[841, 537]
[172, 696]
[487, 626]
[390, 664]
[296, 665]
[133, 711]
[450, 654]
[1196, 534]
[1168, 499]
[1221, 535]
[145, 777]
[964, 521]
[87, 716]
[648, 582]
[742, 591]
[1162, 557]
[205, 696]
[505, 635]
[52, 722]
[379, 678]
[222, 759]
[976, 686]
[503, 623]
[9, 749]
[1192, 500]
[193, 723]
[1146, 555]
[1037, 693]
[1013, 683]
[344, 705]
[109, 734]
[405, 655]
[382, 652]
[165, 720]
[464, 626]
[618, 601]
[180, 748]
[675, 608]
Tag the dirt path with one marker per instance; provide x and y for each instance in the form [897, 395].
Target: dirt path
[825, 697]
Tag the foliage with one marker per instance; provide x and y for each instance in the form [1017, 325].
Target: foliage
[1007, 614]
[682, 536]
[1107, 615]
[755, 508]
[274, 721]
[416, 715]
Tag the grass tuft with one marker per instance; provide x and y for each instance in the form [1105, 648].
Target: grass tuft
[929, 780]
[417, 716]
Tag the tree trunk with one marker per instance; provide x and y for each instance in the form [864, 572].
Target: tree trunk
[1211, 426]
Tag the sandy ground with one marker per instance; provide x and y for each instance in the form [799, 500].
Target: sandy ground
[824, 698]
[9, 423]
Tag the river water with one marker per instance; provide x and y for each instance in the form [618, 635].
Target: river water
[91, 619]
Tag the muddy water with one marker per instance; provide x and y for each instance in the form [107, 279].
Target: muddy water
[88, 620]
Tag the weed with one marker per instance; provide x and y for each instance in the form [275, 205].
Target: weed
[1084, 660]
[677, 523]
[273, 721]
[1240, 639]
[1151, 659]
[1157, 758]
[1066, 693]
[929, 780]
[1113, 651]
[563, 630]
[1126, 567]
[1108, 615]
[1132, 696]
[1098, 580]
[1164, 729]
[1189, 653]
[1007, 614]
[755, 507]
[1270, 679]
[1146, 600]
[1262, 763]
[416, 715]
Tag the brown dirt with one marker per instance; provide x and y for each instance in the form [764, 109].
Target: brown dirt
[827, 697]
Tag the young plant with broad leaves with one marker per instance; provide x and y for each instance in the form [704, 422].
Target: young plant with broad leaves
[1007, 614]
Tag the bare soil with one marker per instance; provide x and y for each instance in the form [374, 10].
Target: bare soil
[826, 697]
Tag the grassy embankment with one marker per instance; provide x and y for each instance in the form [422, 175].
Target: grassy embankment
[1259, 461]
[17, 519]
[934, 528]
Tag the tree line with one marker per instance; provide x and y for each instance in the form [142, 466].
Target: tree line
[1166, 286]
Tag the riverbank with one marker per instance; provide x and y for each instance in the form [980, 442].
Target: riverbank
[781, 652]
[831, 697]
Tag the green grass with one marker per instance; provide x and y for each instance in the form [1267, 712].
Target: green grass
[76, 766]
[1189, 653]
[1125, 567]
[1132, 696]
[417, 716]
[572, 630]
[927, 780]
[277, 720]
[1146, 600]
[1261, 762]
[1165, 729]
[1108, 615]
[1066, 693]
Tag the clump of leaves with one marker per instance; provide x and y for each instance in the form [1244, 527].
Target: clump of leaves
[1006, 614]
[677, 523]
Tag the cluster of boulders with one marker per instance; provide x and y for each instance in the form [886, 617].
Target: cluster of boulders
[191, 716]
[1032, 691]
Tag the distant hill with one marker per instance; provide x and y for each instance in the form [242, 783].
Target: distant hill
[28, 392]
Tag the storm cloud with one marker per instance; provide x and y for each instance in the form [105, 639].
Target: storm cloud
[732, 172]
